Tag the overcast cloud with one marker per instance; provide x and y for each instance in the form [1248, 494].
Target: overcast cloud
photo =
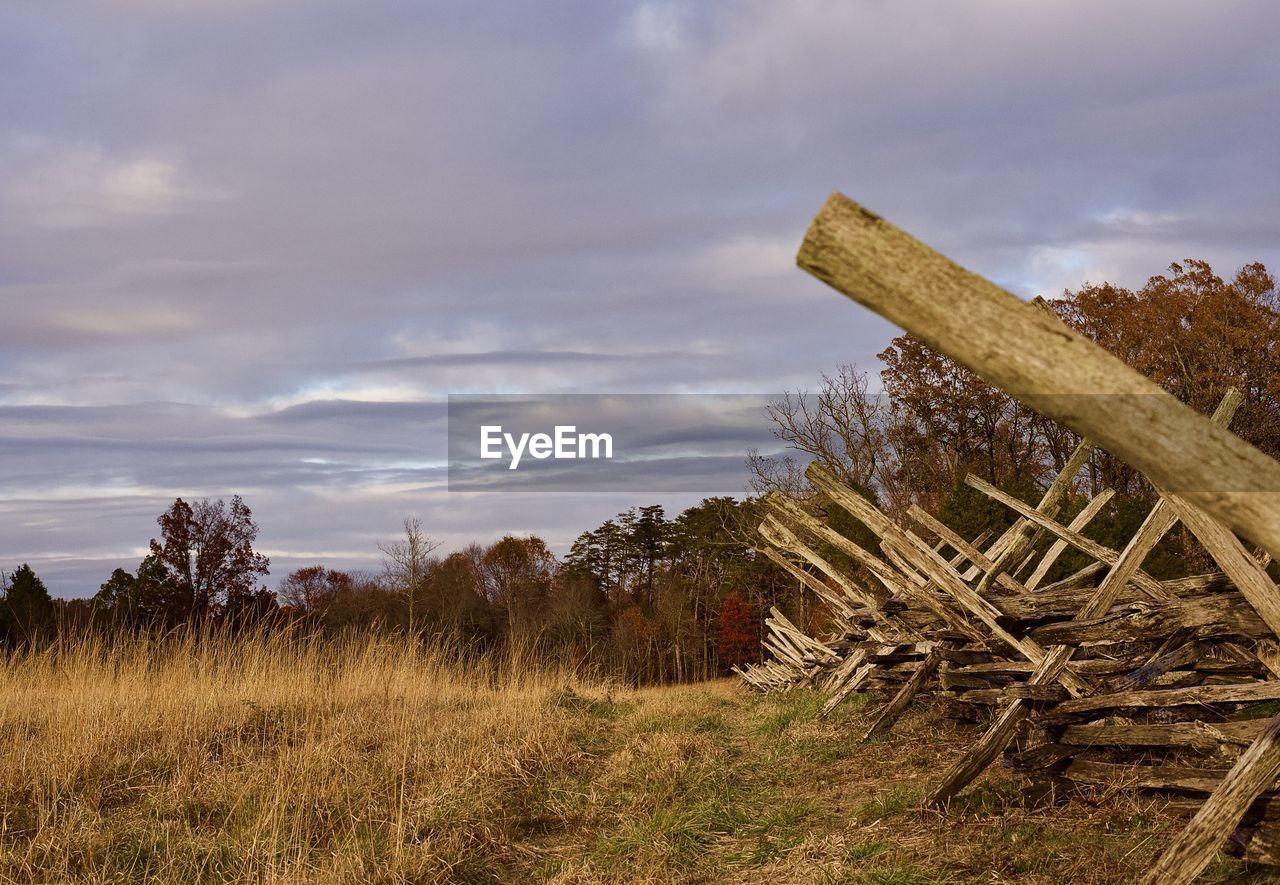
[250, 245]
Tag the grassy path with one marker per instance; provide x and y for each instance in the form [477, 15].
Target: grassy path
[708, 783]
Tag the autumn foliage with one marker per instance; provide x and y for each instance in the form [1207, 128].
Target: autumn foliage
[737, 632]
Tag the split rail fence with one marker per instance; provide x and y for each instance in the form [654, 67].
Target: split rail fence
[1105, 677]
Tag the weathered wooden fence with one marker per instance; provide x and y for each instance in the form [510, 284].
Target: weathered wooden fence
[1108, 676]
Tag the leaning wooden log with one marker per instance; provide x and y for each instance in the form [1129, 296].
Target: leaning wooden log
[820, 589]
[895, 708]
[1098, 551]
[1247, 573]
[1040, 361]
[1058, 547]
[957, 543]
[785, 651]
[787, 509]
[1085, 577]
[1021, 535]
[784, 625]
[856, 674]
[1255, 771]
[976, 759]
[779, 535]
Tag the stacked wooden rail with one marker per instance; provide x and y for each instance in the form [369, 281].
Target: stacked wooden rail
[1108, 676]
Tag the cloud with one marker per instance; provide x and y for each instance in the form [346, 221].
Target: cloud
[745, 258]
[657, 27]
[250, 247]
[79, 187]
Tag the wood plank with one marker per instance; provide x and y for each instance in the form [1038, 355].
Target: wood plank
[1083, 578]
[1263, 847]
[779, 535]
[784, 651]
[1018, 691]
[1249, 576]
[1224, 614]
[787, 626]
[1254, 772]
[1058, 547]
[916, 586]
[1031, 610]
[1198, 735]
[1146, 777]
[813, 582]
[787, 509]
[852, 684]
[1015, 536]
[1100, 552]
[1040, 361]
[1020, 535]
[1024, 669]
[1178, 651]
[957, 543]
[1080, 708]
[1197, 584]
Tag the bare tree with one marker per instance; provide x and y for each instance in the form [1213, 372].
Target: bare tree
[842, 426]
[407, 561]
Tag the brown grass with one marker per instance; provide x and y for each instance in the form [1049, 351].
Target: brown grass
[267, 760]
[261, 760]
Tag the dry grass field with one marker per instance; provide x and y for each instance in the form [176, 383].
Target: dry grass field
[279, 761]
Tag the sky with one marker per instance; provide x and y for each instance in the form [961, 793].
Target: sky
[250, 246]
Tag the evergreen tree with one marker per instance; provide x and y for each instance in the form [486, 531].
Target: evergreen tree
[27, 609]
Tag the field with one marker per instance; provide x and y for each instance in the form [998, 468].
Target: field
[287, 761]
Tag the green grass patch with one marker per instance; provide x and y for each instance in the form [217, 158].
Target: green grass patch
[987, 799]
[599, 708]
[777, 830]
[866, 851]
[899, 800]
[790, 708]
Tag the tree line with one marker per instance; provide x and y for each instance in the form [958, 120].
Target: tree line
[651, 598]
[642, 597]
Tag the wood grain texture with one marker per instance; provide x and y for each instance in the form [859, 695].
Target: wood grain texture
[1090, 708]
[1255, 771]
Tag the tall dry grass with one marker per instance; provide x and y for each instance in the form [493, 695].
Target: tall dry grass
[271, 759]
